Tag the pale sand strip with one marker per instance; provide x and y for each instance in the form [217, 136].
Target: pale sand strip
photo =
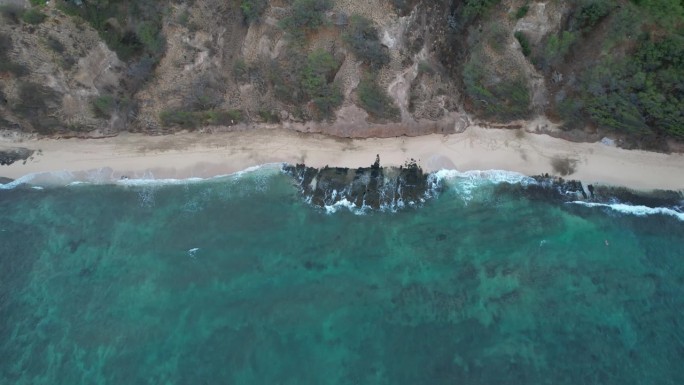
[187, 155]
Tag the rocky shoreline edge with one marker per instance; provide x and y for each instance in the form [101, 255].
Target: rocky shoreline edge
[393, 188]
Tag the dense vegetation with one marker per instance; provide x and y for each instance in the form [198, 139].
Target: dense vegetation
[476, 8]
[375, 100]
[640, 93]
[6, 64]
[37, 104]
[504, 100]
[15, 14]
[307, 15]
[611, 65]
[634, 83]
[253, 9]
[614, 64]
[362, 38]
[130, 28]
[194, 119]
[304, 78]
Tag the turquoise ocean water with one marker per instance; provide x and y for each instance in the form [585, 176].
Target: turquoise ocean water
[238, 280]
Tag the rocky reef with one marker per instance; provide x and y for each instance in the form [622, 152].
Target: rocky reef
[392, 188]
[373, 187]
[559, 190]
[10, 156]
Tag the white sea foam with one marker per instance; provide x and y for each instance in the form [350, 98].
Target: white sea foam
[492, 176]
[159, 182]
[344, 203]
[104, 176]
[192, 253]
[17, 182]
[466, 182]
[634, 210]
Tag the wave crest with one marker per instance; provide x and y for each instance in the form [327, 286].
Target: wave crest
[637, 210]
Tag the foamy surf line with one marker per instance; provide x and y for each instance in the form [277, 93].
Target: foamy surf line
[492, 176]
[466, 182]
[636, 210]
[107, 176]
[335, 196]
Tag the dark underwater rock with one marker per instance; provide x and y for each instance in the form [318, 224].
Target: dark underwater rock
[656, 198]
[548, 188]
[373, 187]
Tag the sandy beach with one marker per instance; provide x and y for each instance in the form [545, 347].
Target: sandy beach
[186, 155]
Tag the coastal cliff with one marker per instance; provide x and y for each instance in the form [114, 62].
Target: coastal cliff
[583, 69]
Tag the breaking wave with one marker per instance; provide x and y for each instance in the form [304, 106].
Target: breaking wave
[637, 210]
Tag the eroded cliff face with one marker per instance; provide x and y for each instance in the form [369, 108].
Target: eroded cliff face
[219, 69]
[54, 70]
[343, 67]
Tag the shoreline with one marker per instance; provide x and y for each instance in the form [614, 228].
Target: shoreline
[205, 155]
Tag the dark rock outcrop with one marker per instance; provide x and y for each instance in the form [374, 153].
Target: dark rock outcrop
[10, 156]
[372, 187]
[552, 188]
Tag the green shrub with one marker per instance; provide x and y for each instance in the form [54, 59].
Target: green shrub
[375, 100]
[476, 8]
[303, 79]
[139, 22]
[425, 67]
[557, 46]
[184, 18]
[362, 38]
[286, 77]
[320, 67]
[317, 82]
[496, 36]
[194, 119]
[33, 16]
[591, 13]
[38, 2]
[14, 68]
[326, 101]
[306, 15]
[404, 7]
[253, 9]
[666, 13]
[524, 43]
[6, 64]
[522, 11]
[220, 117]
[184, 119]
[269, 116]
[571, 110]
[240, 70]
[640, 93]
[508, 99]
[151, 38]
[104, 106]
[55, 45]
[36, 105]
[11, 13]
